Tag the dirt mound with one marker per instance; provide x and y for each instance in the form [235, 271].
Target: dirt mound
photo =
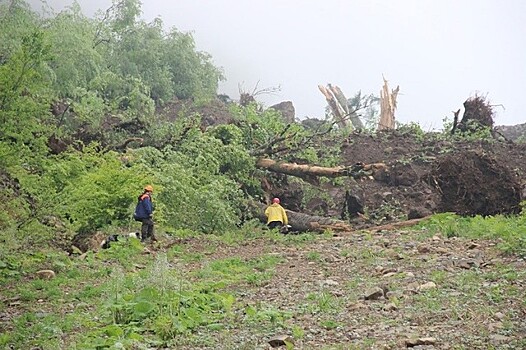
[488, 182]
[474, 183]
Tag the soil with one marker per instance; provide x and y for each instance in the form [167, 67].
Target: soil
[426, 175]
[430, 288]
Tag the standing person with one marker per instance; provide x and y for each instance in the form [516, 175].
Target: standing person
[144, 213]
[276, 215]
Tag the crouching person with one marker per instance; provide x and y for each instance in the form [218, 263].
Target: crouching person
[276, 215]
[144, 214]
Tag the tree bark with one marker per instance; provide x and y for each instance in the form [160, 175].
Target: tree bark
[377, 170]
[337, 110]
[302, 222]
[387, 107]
[342, 100]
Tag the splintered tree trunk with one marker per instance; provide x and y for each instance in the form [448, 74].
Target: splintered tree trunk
[337, 110]
[302, 222]
[342, 100]
[377, 170]
[387, 107]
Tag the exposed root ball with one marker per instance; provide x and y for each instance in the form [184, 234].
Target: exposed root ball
[473, 183]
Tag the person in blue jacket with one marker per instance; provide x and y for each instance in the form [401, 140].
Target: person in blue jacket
[144, 213]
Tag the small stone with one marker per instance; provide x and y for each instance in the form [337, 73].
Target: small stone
[499, 316]
[463, 264]
[427, 286]
[423, 249]
[435, 238]
[331, 283]
[390, 307]
[45, 274]
[498, 338]
[388, 270]
[441, 250]
[280, 340]
[374, 294]
[495, 326]
[410, 343]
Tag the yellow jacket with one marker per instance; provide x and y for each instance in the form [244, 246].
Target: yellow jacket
[275, 212]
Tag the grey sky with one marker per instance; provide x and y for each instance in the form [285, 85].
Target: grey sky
[440, 52]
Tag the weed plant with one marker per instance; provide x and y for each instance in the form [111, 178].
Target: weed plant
[509, 231]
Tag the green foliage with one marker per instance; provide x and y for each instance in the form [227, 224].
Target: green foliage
[24, 96]
[165, 61]
[412, 129]
[92, 189]
[508, 230]
[162, 304]
[76, 61]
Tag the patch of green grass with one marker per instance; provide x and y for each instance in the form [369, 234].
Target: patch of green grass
[330, 324]
[323, 303]
[255, 271]
[313, 256]
[266, 315]
[508, 229]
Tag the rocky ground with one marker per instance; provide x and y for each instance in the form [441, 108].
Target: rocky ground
[387, 290]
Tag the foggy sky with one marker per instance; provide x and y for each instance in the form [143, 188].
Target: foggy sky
[440, 52]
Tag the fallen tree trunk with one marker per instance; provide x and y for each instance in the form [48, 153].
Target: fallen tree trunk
[377, 170]
[395, 225]
[302, 222]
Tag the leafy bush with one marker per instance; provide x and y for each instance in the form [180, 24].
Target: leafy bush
[92, 189]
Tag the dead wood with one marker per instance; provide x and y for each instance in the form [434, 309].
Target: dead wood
[477, 113]
[387, 107]
[337, 111]
[307, 223]
[455, 121]
[349, 112]
[396, 225]
[358, 170]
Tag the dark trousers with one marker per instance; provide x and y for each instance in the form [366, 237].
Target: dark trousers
[274, 224]
[147, 229]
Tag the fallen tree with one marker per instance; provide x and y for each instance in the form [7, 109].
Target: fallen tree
[378, 171]
[300, 222]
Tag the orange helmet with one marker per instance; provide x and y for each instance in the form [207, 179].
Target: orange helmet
[275, 200]
[148, 188]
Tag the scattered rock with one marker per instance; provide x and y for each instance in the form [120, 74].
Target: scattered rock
[374, 294]
[473, 245]
[390, 307]
[426, 286]
[410, 343]
[331, 283]
[280, 340]
[423, 249]
[46, 274]
[498, 339]
[463, 264]
[499, 315]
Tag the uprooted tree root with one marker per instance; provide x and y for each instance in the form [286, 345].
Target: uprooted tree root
[472, 183]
